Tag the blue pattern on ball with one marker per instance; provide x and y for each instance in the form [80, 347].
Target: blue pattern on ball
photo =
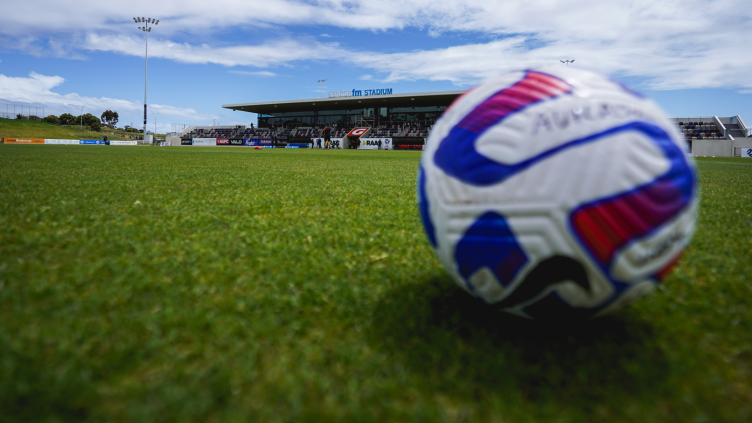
[423, 207]
[490, 243]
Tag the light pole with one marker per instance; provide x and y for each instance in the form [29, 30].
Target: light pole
[567, 61]
[82, 118]
[147, 29]
[321, 84]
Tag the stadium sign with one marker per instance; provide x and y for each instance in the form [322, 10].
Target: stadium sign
[356, 132]
[360, 93]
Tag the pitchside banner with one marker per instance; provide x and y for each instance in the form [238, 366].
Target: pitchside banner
[746, 152]
[123, 142]
[223, 141]
[333, 143]
[186, 142]
[23, 141]
[373, 143]
[236, 141]
[250, 141]
[92, 142]
[408, 147]
[205, 142]
[265, 141]
[66, 142]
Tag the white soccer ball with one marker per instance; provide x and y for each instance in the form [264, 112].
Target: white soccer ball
[556, 192]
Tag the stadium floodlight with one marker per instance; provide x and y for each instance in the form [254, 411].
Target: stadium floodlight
[321, 83]
[147, 29]
[82, 118]
[567, 61]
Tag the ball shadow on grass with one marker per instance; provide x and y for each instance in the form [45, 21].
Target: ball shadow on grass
[456, 344]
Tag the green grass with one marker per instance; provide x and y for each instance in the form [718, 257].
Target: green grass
[12, 128]
[206, 285]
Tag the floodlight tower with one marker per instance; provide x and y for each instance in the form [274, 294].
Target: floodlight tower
[321, 84]
[567, 61]
[147, 22]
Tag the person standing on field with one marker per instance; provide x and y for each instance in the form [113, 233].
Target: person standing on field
[327, 137]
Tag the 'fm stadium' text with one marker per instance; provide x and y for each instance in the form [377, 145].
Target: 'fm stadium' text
[360, 93]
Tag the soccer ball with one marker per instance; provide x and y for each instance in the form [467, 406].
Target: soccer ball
[556, 193]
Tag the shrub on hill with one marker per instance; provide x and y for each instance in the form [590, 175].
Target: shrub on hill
[67, 119]
[52, 119]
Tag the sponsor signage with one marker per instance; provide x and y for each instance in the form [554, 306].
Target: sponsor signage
[373, 143]
[360, 93]
[356, 132]
[746, 152]
[408, 140]
[123, 142]
[236, 141]
[265, 141]
[186, 141]
[23, 141]
[66, 142]
[92, 142]
[407, 147]
[206, 142]
[223, 141]
[250, 141]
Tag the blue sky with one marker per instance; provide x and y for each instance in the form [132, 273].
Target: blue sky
[693, 56]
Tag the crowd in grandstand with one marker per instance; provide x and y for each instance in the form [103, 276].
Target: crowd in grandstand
[691, 130]
[239, 131]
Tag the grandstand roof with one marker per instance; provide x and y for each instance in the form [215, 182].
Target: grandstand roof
[334, 103]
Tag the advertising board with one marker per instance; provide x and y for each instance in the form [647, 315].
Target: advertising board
[91, 142]
[65, 142]
[409, 140]
[746, 152]
[123, 142]
[223, 141]
[23, 141]
[408, 147]
[373, 144]
[205, 142]
[186, 141]
[236, 141]
[250, 141]
[265, 141]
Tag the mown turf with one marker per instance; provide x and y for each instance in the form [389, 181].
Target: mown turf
[12, 128]
[229, 284]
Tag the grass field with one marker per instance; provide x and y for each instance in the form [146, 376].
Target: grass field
[12, 128]
[228, 284]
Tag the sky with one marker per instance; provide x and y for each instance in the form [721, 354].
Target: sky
[693, 57]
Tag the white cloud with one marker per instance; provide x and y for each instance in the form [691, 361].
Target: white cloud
[273, 53]
[675, 44]
[260, 73]
[326, 35]
[366, 77]
[36, 89]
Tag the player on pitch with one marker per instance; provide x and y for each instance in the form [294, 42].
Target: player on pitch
[327, 137]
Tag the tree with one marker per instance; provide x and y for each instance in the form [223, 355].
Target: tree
[110, 118]
[87, 120]
[52, 119]
[67, 119]
[96, 127]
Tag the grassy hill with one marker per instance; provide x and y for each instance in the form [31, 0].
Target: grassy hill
[11, 128]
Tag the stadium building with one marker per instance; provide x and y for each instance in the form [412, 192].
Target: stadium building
[379, 118]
